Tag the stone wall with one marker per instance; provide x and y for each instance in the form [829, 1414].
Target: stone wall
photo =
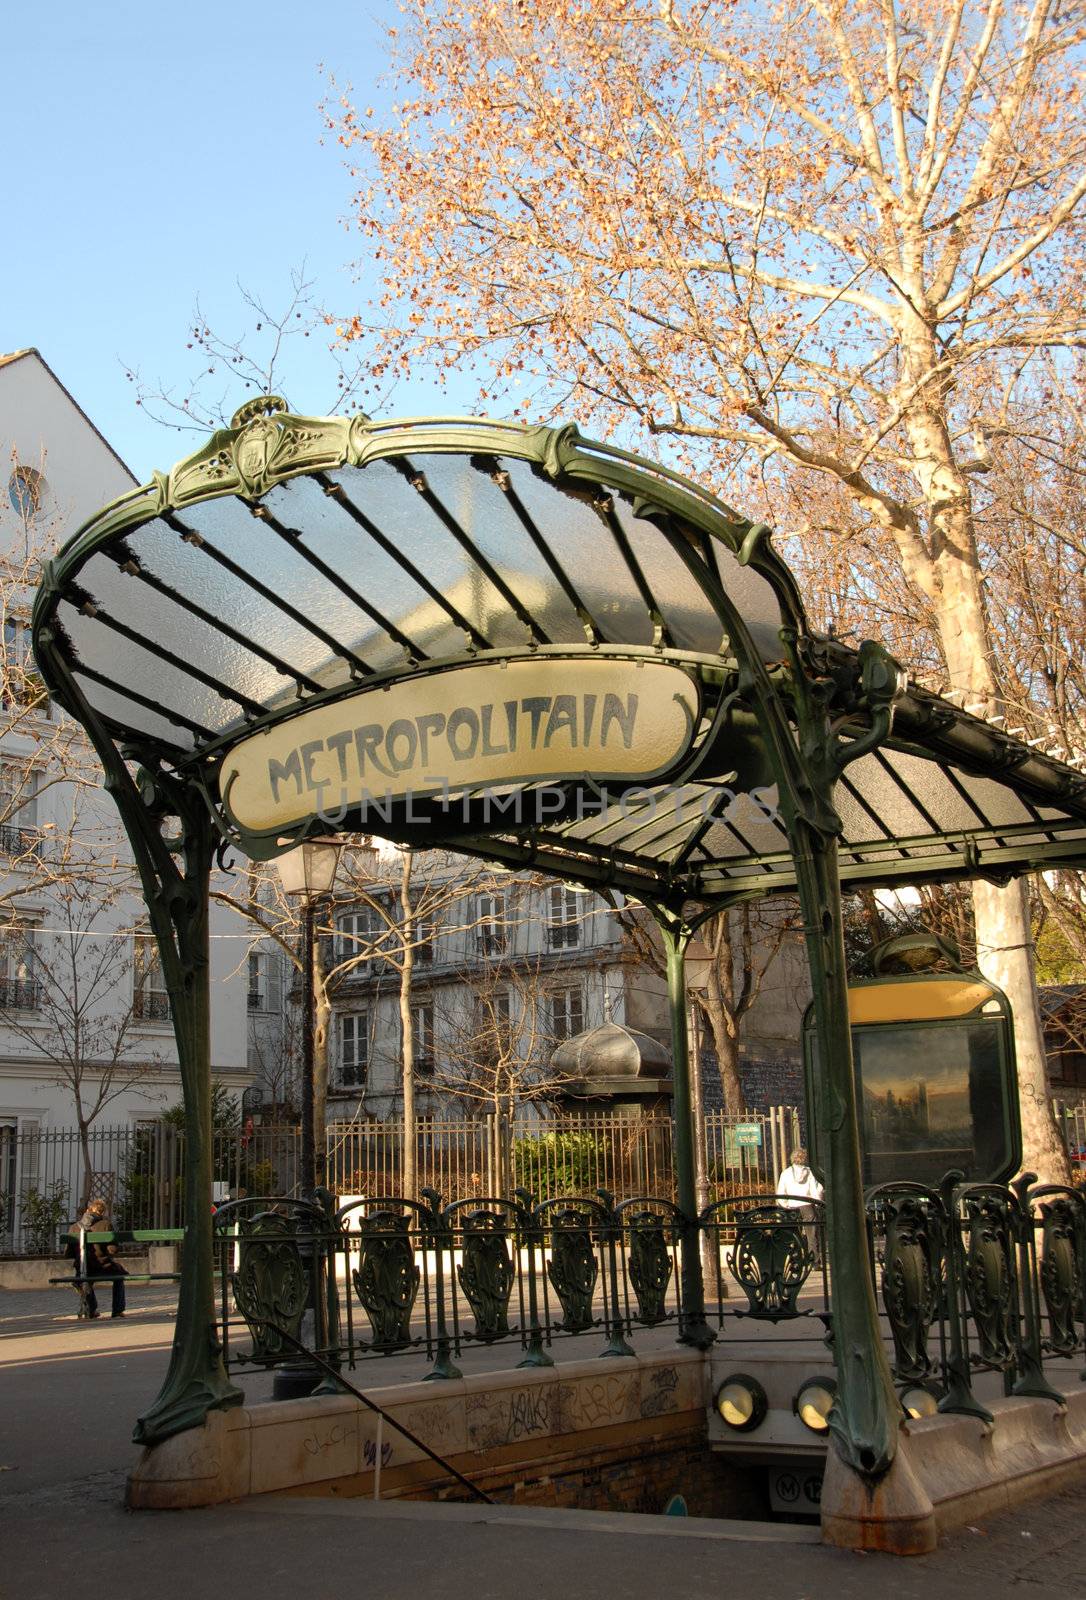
[624, 1433]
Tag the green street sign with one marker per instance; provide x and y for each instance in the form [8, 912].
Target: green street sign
[748, 1133]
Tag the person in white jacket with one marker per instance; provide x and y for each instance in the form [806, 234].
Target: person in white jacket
[797, 1183]
[797, 1186]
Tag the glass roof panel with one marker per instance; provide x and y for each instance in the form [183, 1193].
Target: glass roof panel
[886, 797]
[124, 711]
[753, 597]
[410, 520]
[858, 822]
[254, 546]
[585, 548]
[994, 800]
[484, 513]
[193, 572]
[120, 661]
[688, 612]
[341, 544]
[185, 636]
[950, 809]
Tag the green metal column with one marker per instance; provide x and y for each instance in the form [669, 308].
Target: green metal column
[866, 1414]
[694, 1329]
[173, 843]
[196, 1380]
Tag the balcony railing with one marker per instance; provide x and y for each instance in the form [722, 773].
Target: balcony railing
[150, 1005]
[15, 841]
[20, 994]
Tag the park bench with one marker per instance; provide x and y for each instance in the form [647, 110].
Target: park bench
[120, 1236]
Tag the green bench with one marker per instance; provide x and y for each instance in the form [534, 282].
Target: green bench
[119, 1236]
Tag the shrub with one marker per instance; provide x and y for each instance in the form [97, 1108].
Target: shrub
[43, 1212]
[557, 1163]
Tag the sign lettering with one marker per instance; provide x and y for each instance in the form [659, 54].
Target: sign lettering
[503, 725]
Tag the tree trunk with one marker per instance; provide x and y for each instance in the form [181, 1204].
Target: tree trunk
[84, 1145]
[1004, 941]
[726, 1046]
[1004, 935]
[409, 1164]
[322, 1012]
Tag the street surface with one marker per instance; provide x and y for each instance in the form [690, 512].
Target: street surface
[70, 1391]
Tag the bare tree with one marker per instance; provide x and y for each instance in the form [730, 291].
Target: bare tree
[382, 914]
[741, 946]
[498, 1037]
[805, 246]
[226, 368]
[78, 992]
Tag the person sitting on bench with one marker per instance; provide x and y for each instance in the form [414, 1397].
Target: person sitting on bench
[99, 1260]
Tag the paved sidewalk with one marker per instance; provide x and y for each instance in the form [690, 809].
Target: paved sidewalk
[69, 1392]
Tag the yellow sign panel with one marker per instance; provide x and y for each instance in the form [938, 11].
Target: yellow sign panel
[924, 1000]
[471, 727]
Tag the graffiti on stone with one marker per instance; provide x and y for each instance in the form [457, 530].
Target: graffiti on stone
[338, 1433]
[660, 1391]
[594, 1402]
[369, 1452]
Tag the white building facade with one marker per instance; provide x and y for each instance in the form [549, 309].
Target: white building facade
[83, 1008]
[505, 967]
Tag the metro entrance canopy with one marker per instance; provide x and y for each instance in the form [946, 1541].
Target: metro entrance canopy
[550, 654]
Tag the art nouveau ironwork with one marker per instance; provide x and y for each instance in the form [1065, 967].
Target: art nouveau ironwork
[689, 742]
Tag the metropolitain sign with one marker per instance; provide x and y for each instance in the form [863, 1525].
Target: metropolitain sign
[490, 725]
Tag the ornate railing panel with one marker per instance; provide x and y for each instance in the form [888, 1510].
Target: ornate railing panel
[487, 1271]
[973, 1279]
[651, 1268]
[386, 1279]
[266, 1266]
[573, 1269]
[770, 1248]
[913, 1225]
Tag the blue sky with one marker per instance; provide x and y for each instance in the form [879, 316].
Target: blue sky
[160, 153]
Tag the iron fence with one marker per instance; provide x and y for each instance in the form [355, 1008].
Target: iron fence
[48, 1174]
[1071, 1120]
[979, 1278]
[974, 1279]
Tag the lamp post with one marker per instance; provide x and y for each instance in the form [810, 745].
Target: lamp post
[308, 873]
[698, 966]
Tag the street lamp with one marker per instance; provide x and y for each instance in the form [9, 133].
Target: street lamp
[308, 872]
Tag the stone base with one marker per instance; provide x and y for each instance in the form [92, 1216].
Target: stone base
[952, 1470]
[507, 1430]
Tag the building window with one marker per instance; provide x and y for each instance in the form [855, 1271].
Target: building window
[354, 1049]
[18, 809]
[150, 997]
[564, 922]
[490, 927]
[23, 688]
[265, 981]
[357, 933]
[424, 940]
[26, 490]
[422, 1024]
[566, 1008]
[20, 989]
[258, 980]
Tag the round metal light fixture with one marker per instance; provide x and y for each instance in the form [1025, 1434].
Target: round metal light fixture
[741, 1402]
[813, 1402]
[917, 1400]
